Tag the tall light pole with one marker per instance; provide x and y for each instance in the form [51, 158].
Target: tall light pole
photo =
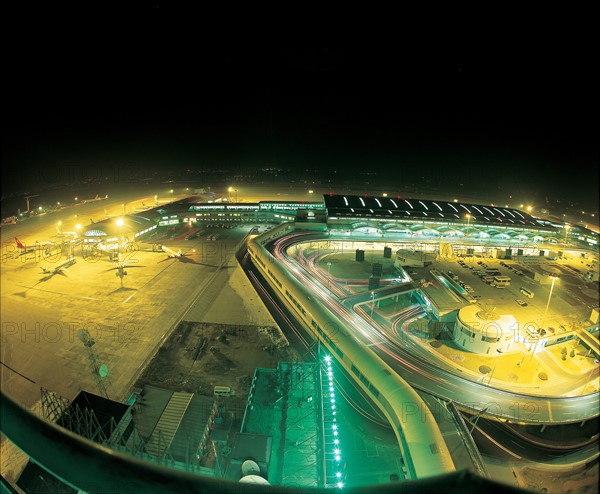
[554, 278]
[230, 190]
[467, 234]
[567, 227]
[468, 223]
[119, 224]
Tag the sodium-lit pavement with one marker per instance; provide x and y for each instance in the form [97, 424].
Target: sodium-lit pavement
[40, 347]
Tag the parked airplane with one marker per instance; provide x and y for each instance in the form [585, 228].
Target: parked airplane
[35, 247]
[72, 235]
[145, 207]
[60, 268]
[97, 198]
[120, 268]
[171, 252]
[179, 256]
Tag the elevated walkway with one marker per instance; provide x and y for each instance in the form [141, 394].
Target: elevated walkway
[389, 291]
[589, 340]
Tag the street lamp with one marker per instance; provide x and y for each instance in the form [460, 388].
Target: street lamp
[78, 227]
[119, 224]
[554, 278]
[468, 223]
[230, 190]
[567, 228]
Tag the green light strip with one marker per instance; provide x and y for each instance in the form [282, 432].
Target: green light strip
[334, 426]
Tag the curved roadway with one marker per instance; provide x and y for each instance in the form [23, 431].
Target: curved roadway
[427, 376]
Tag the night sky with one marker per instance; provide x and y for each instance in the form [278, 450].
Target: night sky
[509, 105]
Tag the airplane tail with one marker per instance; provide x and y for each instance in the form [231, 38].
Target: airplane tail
[179, 253]
[19, 244]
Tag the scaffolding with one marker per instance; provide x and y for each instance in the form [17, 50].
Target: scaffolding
[122, 435]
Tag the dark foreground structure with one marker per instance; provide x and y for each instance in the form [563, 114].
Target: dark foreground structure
[90, 467]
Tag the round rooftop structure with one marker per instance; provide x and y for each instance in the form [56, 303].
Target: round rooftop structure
[480, 329]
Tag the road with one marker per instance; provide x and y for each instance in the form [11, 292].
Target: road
[428, 376]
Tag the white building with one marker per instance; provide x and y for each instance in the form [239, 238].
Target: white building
[484, 331]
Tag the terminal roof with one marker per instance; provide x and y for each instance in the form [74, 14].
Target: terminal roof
[424, 209]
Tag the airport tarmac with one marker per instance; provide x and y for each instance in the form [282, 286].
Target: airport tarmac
[41, 315]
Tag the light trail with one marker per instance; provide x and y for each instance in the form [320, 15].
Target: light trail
[516, 406]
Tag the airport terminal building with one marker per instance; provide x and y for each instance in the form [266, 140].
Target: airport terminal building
[419, 219]
[141, 225]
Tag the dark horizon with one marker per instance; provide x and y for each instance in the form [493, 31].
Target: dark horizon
[461, 152]
[499, 114]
